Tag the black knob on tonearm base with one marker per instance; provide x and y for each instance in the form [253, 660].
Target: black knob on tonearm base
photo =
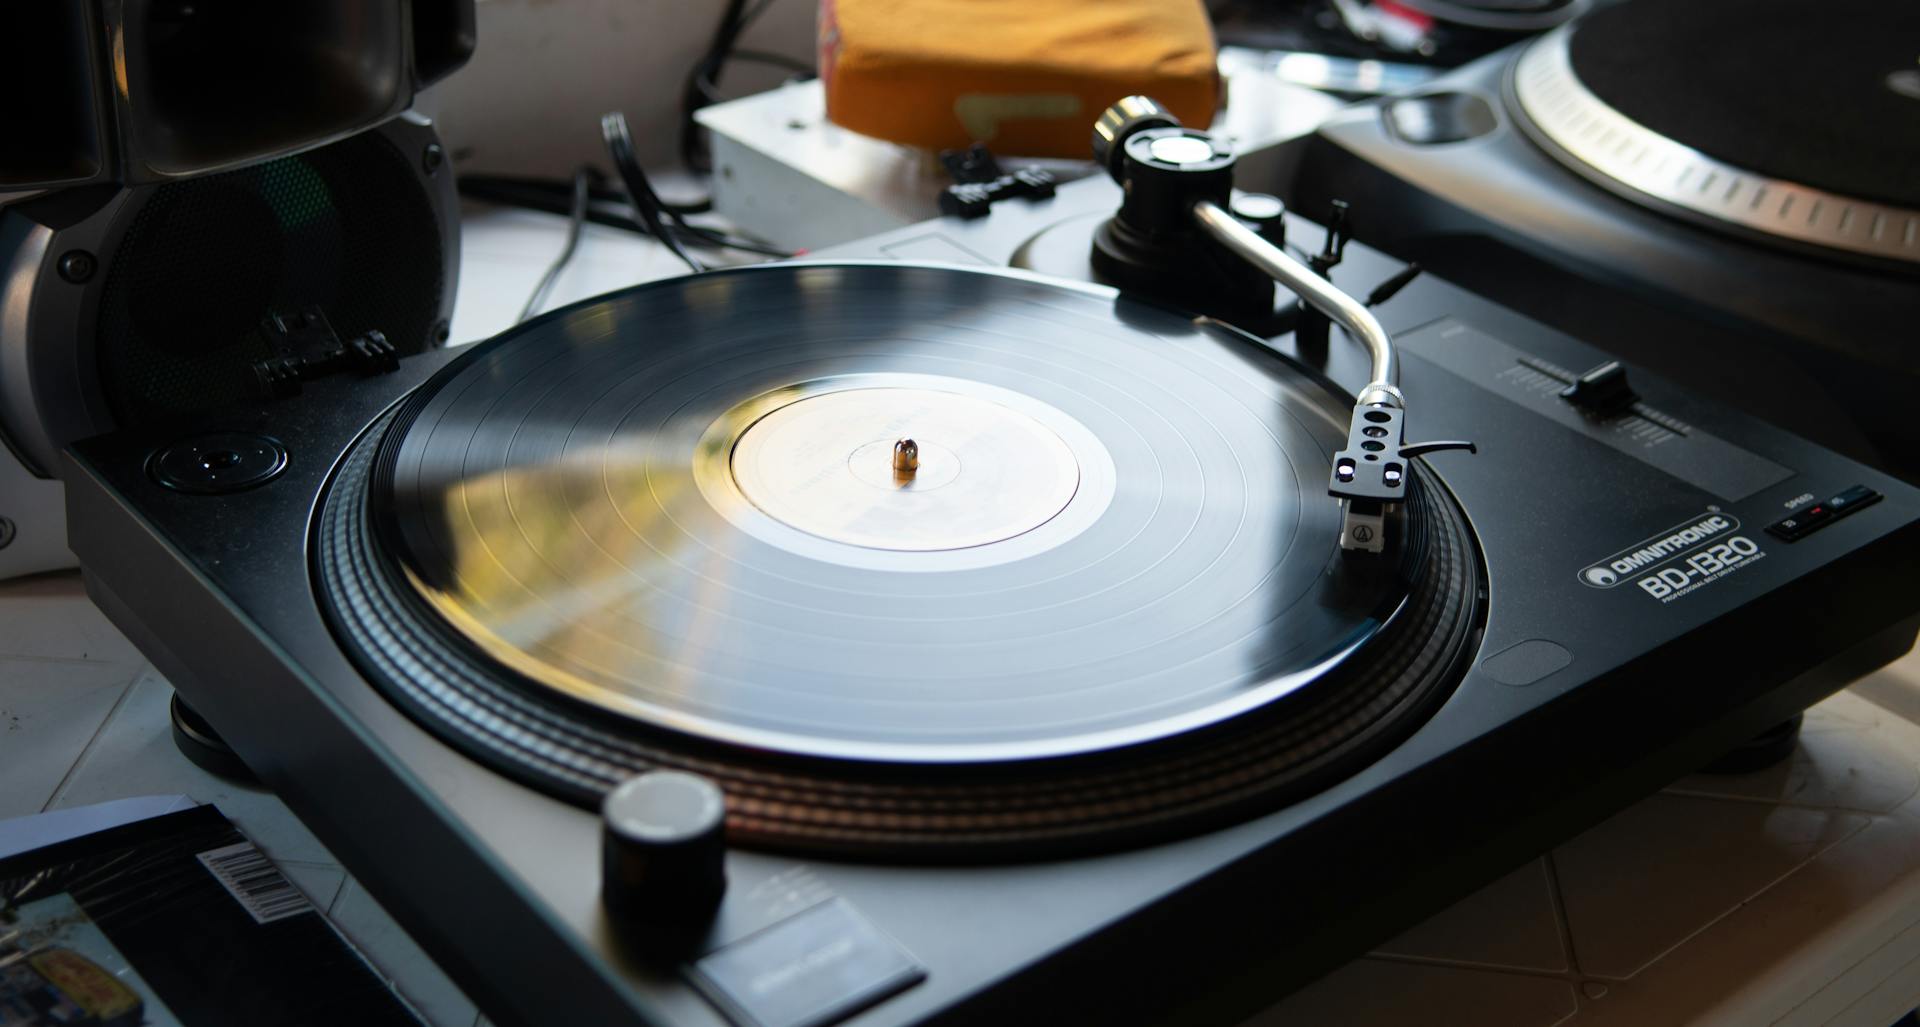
[1151, 246]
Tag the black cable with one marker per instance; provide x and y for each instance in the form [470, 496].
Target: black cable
[758, 9]
[711, 239]
[606, 206]
[613, 129]
[576, 219]
[525, 191]
[704, 72]
[778, 60]
[702, 205]
[680, 224]
[703, 79]
[709, 88]
[599, 212]
[1494, 18]
[1387, 289]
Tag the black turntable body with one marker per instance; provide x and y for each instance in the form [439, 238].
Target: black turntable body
[1120, 735]
[1723, 191]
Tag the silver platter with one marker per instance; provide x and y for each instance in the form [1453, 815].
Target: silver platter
[1620, 151]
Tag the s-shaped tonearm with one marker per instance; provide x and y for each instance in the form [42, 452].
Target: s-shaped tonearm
[1169, 237]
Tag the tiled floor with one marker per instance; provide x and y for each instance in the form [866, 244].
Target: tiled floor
[91, 726]
[1786, 896]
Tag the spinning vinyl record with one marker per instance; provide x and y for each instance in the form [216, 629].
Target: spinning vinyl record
[902, 557]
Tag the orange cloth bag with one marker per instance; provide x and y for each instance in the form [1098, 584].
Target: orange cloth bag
[1025, 77]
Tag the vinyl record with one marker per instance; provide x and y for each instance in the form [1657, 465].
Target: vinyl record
[670, 527]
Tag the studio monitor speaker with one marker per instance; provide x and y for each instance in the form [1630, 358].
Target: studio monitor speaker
[146, 91]
[199, 168]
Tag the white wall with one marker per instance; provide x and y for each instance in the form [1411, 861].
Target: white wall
[545, 70]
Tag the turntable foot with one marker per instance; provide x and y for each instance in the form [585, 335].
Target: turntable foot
[198, 741]
[1761, 751]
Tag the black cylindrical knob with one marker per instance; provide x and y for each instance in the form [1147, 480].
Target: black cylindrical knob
[1127, 116]
[1262, 213]
[1165, 171]
[663, 849]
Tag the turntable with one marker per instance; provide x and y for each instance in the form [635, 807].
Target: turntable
[891, 642]
[1769, 222]
[1108, 541]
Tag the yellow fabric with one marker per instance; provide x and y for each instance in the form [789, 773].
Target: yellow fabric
[1026, 77]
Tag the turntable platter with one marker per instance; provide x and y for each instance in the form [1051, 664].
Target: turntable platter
[1804, 93]
[1796, 121]
[674, 517]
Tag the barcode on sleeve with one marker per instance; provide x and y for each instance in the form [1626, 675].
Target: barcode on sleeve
[252, 879]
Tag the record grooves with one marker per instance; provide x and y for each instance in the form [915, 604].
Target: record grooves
[522, 558]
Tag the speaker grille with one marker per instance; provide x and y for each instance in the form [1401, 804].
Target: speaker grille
[347, 227]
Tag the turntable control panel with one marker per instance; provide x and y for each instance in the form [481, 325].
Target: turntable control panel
[1810, 516]
[1599, 404]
